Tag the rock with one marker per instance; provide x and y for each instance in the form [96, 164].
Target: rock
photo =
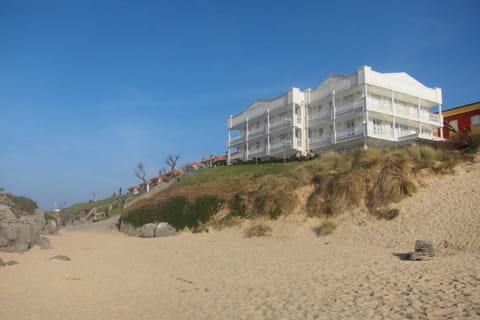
[44, 243]
[148, 230]
[51, 227]
[39, 217]
[61, 258]
[163, 229]
[12, 263]
[2, 264]
[424, 247]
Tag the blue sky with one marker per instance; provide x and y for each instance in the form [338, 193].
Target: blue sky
[89, 88]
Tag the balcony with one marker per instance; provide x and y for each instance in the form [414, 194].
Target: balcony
[256, 153]
[380, 132]
[349, 134]
[279, 147]
[256, 132]
[320, 141]
[236, 140]
[280, 124]
[348, 107]
[431, 117]
[383, 106]
[318, 117]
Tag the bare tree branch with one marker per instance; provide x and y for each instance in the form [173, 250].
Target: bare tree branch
[140, 172]
[171, 160]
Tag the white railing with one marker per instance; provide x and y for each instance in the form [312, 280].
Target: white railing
[276, 124]
[431, 117]
[256, 152]
[236, 139]
[383, 132]
[319, 116]
[384, 106]
[349, 134]
[347, 107]
[316, 142]
[256, 131]
[280, 147]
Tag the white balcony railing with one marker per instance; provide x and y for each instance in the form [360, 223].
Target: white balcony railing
[382, 132]
[257, 152]
[320, 141]
[348, 107]
[278, 147]
[236, 139]
[255, 132]
[349, 134]
[280, 123]
[318, 117]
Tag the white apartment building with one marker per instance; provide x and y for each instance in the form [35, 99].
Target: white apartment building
[362, 109]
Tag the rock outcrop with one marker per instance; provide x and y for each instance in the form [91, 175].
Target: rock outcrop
[163, 229]
[149, 230]
[20, 230]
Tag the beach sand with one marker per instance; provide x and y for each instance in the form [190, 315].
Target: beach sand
[293, 274]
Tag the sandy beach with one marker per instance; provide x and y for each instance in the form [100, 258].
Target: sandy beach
[293, 274]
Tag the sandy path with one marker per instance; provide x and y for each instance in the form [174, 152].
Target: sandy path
[350, 274]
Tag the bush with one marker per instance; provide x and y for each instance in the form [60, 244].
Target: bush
[393, 183]
[177, 211]
[326, 227]
[22, 204]
[259, 230]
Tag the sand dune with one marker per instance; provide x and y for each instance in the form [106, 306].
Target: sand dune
[350, 274]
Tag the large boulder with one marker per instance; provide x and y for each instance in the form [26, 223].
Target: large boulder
[163, 229]
[8, 229]
[39, 217]
[19, 230]
[148, 230]
[51, 227]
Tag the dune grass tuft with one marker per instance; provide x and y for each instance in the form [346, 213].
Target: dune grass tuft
[258, 230]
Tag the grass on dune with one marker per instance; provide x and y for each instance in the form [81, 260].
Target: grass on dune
[370, 179]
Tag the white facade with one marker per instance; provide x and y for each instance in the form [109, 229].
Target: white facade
[365, 108]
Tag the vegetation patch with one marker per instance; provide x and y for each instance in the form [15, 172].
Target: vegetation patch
[21, 205]
[259, 230]
[179, 212]
[326, 227]
[386, 213]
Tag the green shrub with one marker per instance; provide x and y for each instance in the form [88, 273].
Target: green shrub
[177, 211]
[237, 206]
[22, 204]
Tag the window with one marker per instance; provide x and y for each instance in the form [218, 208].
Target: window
[454, 124]
[350, 128]
[474, 120]
[320, 132]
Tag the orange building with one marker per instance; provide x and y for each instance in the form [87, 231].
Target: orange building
[462, 117]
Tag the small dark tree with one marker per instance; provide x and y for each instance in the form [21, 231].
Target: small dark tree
[140, 173]
[171, 161]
